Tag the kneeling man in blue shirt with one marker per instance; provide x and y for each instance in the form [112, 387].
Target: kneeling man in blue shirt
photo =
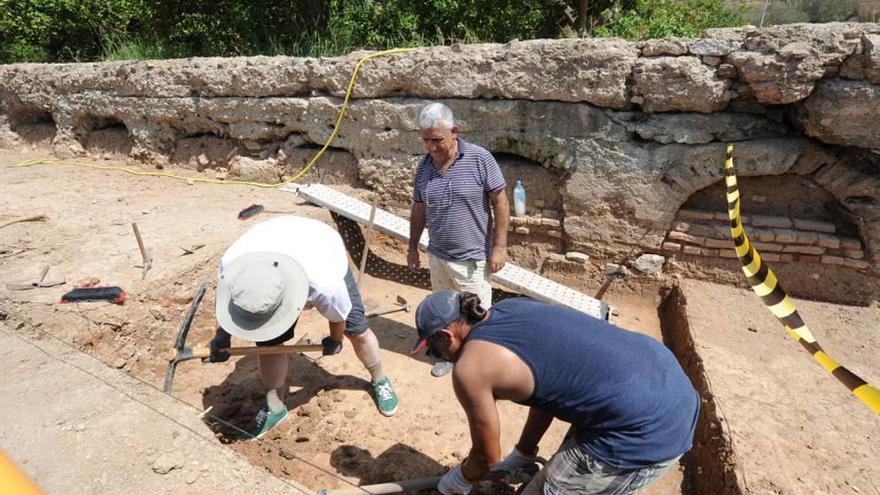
[631, 407]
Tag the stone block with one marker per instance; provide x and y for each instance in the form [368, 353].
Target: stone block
[693, 250]
[696, 215]
[681, 226]
[767, 247]
[855, 254]
[550, 222]
[810, 260]
[727, 253]
[771, 221]
[522, 230]
[814, 250]
[722, 216]
[770, 257]
[828, 241]
[764, 235]
[814, 225]
[539, 203]
[712, 253]
[719, 243]
[850, 243]
[577, 256]
[856, 264]
[671, 247]
[649, 263]
[519, 220]
[555, 233]
[805, 237]
[690, 239]
[785, 235]
[549, 213]
[832, 260]
[711, 60]
[786, 258]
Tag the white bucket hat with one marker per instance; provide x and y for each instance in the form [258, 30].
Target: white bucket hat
[260, 295]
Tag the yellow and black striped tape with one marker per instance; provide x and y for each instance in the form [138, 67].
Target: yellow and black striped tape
[767, 287]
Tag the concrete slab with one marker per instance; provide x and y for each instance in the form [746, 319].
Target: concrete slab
[75, 425]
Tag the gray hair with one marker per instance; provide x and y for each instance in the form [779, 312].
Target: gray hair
[436, 115]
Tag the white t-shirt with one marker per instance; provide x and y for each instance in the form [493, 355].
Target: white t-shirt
[316, 246]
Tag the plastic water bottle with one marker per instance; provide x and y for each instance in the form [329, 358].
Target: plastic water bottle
[519, 199]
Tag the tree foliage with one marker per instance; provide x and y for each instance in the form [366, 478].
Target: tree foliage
[85, 30]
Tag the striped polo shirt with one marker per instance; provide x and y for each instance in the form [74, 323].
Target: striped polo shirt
[459, 218]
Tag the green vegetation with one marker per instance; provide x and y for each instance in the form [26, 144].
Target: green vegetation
[88, 30]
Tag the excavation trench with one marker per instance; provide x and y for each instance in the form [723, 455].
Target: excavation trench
[709, 467]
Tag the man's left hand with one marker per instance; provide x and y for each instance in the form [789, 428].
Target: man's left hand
[331, 346]
[454, 483]
[497, 258]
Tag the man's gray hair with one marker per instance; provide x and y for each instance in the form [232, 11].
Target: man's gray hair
[436, 115]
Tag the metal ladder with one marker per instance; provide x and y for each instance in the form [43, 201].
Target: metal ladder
[511, 276]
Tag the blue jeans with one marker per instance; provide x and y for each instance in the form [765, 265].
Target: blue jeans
[572, 471]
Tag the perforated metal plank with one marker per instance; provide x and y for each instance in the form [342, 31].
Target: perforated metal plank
[511, 276]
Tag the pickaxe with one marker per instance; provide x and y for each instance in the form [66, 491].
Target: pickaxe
[181, 353]
[39, 282]
[145, 254]
[402, 305]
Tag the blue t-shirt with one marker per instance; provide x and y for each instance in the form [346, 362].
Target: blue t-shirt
[457, 202]
[629, 401]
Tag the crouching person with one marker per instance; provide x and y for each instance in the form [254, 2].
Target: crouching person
[631, 407]
[267, 277]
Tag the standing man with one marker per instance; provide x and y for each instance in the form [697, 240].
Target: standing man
[455, 184]
[631, 407]
[267, 277]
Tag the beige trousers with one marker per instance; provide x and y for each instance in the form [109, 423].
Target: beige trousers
[467, 276]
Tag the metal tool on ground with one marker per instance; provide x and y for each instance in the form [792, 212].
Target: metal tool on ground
[183, 333]
[39, 282]
[372, 310]
[146, 255]
[367, 237]
[191, 250]
[255, 209]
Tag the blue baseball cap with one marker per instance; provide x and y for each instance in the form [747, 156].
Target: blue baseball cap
[436, 312]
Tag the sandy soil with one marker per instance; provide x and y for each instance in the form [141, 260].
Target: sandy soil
[792, 428]
[334, 436]
[784, 425]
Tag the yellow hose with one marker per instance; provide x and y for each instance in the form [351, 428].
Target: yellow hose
[304, 171]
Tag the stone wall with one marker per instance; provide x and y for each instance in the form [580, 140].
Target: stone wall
[612, 137]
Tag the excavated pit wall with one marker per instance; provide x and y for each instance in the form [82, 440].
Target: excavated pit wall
[711, 463]
[613, 138]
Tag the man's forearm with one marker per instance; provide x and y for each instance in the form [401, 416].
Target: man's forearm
[534, 429]
[416, 224]
[501, 214]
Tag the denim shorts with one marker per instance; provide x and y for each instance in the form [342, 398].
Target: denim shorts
[355, 324]
[573, 471]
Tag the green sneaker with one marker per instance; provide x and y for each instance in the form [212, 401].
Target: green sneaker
[268, 419]
[383, 394]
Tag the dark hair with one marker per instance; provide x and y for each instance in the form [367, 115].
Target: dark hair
[471, 310]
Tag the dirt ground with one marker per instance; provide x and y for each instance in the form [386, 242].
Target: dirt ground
[334, 436]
